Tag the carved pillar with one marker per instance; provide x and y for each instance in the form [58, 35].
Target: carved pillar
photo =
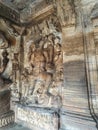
[6, 39]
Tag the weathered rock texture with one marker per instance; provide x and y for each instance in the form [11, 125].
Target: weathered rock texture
[49, 61]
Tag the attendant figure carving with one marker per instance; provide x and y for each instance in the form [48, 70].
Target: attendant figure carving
[4, 82]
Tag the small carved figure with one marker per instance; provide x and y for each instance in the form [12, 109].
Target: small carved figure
[58, 59]
[37, 59]
[25, 83]
[15, 66]
[46, 78]
[48, 50]
[4, 61]
[15, 76]
[4, 82]
[31, 51]
[14, 92]
[39, 92]
[45, 58]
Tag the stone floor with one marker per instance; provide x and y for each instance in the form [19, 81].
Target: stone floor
[15, 127]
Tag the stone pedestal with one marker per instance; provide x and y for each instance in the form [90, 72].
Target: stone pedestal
[37, 118]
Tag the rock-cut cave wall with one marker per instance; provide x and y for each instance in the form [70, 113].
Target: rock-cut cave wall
[48, 64]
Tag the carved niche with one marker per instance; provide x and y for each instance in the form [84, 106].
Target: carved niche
[42, 76]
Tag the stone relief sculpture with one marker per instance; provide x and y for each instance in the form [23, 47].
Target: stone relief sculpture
[15, 74]
[43, 72]
[32, 69]
[45, 61]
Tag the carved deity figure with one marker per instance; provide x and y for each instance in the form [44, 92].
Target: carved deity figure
[4, 82]
[15, 77]
[39, 92]
[48, 50]
[45, 59]
[4, 61]
[37, 58]
[38, 62]
[58, 58]
[25, 84]
[58, 75]
[16, 62]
